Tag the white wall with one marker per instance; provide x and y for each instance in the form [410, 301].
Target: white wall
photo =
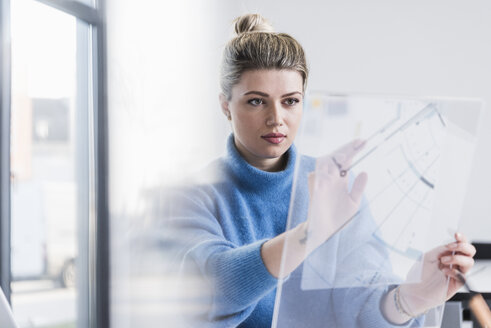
[410, 47]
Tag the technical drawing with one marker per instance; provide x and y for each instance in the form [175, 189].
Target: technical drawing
[417, 155]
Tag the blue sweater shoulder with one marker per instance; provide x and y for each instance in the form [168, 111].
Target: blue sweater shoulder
[223, 215]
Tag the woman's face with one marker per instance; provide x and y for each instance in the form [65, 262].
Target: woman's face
[265, 110]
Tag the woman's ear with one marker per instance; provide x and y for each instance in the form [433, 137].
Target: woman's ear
[224, 106]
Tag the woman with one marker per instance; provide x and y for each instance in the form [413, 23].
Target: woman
[234, 226]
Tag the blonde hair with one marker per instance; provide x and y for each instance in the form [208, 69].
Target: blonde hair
[257, 46]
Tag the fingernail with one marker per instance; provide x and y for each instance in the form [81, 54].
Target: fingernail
[458, 235]
[446, 259]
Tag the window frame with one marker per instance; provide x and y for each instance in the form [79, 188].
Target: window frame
[98, 257]
[5, 93]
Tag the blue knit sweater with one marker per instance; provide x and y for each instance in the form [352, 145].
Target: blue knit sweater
[225, 219]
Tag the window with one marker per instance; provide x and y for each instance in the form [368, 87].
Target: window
[56, 181]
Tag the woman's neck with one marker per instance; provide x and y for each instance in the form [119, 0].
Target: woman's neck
[269, 164]
[264, 164]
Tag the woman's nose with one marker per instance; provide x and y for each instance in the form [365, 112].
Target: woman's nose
[274, 116]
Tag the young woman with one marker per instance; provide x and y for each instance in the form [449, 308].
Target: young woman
[233, 227]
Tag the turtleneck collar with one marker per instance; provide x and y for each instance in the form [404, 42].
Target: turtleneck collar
[252, 177]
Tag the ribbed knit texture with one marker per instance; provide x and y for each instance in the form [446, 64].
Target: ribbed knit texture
[226, 221]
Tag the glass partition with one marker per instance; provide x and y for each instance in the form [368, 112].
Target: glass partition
[380, 208]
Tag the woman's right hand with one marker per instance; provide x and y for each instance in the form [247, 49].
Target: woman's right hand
[332, 204]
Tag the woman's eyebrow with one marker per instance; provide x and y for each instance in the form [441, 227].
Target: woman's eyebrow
[291, 94]
[262, 94]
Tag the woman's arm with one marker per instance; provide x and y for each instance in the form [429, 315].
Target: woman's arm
[272, 250]
[332, 204]
[233, 277]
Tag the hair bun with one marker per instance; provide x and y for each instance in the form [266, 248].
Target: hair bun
[252, 23]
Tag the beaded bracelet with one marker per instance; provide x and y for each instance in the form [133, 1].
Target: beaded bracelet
[399, 307]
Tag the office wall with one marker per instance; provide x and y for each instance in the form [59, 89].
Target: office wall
[417, 47]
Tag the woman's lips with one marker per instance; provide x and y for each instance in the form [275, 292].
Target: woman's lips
[274, 138]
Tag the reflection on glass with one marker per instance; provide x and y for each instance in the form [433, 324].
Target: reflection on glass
[45, 158]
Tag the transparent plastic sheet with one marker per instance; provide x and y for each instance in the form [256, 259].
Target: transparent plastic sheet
[417, 155]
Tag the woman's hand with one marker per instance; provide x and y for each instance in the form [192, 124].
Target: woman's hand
[440, 265]
[332, 204]
[457, 260]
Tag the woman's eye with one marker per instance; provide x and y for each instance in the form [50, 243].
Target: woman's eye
[291, 101]
[255, 102]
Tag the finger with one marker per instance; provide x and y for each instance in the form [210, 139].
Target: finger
[356, 143]
[436, 253]
[462, 248]
[349, 151]
[340, 158]
[359, 144]
[450, 266]
[464, 262]
[359, 187]
[356, 147]
[465, 269]
[338, 162]
[454, 274]
[460, 237]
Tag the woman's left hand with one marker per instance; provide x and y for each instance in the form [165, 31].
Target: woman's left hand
[440, 264]
[458, 258]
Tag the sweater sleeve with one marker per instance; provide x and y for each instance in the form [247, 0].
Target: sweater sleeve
[368, 313]
[236, 274]
[366, 254]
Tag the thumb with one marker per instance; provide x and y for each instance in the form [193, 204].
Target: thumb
[359, 187]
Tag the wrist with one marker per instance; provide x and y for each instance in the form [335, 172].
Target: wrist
[402, 305]
[413, 303]
[308, 236]
[393, 310]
